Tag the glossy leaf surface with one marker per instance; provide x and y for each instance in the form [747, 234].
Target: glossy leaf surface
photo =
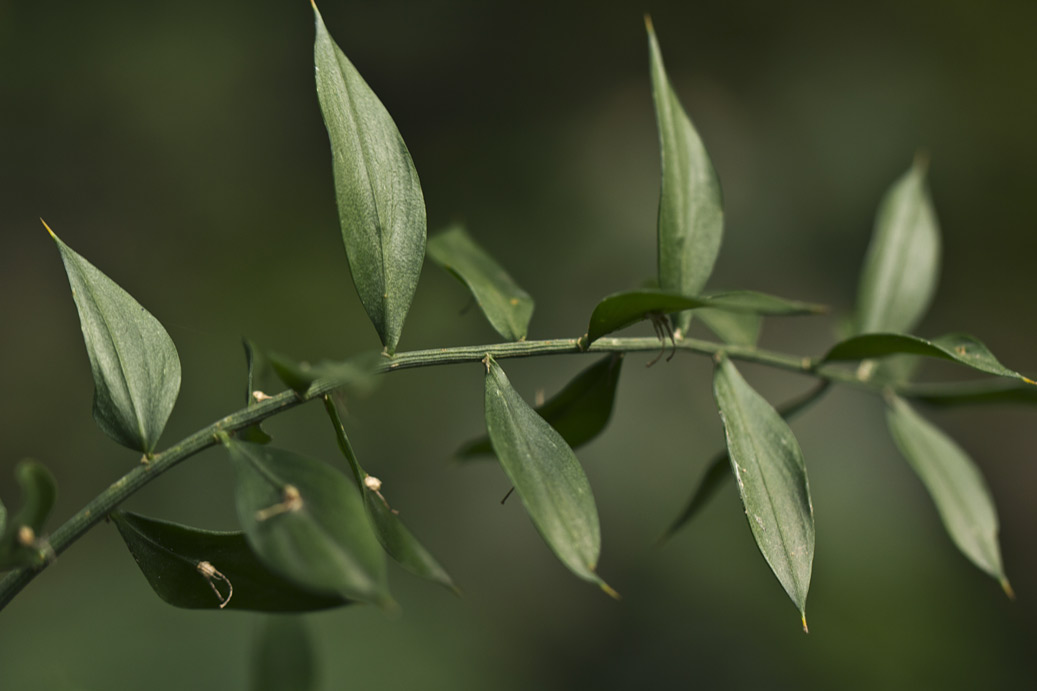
[772, 481]
[134, 363]
[21, 534]
[395, 537]
[357, 374]
[955, 484]
[507, 307]
[168, 555]
[959, 348]
[902, 265]
[546, 476]
[283, 657]
[579, 412]
[305, 521]
[691, 216]
[380, 204]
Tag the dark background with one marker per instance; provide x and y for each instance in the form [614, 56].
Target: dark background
[179, 147]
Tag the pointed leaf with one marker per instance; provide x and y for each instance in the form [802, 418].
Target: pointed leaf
[303, 520]
[753, 302]
[169, 555]
[505, 304]
[983, 391]
[772, 481]
[134, 362]
[955, 484]
[960, 348]
[394, 536]
[579, 412]
[283, 657]
[380, 205]
[546, 476]
[356, 374]
[732, 328]
[691, 216]
[902, 265]
[21, 534]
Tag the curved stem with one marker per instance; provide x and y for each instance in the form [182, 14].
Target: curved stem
[94, 512]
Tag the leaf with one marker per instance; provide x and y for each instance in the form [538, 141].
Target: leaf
[753, 302]
[732, 328]
[253, 433]
[283, 656]
[772, 481]
[134, 362]
[691, 216]
[505, 304]
[955, 484]
[169, 555]
[983, 391]
[380, 205]
[21, 534]
[546, 476]
[579, 412]
[394, 536]
[960, 348]
[903, 260]
[358, 374]
[304, 521]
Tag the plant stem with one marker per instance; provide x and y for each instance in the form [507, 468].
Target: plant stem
[123, 488]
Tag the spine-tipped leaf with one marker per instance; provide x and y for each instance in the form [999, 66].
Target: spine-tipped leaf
[772, 481]
[955, 484]
[380, 204]
[546, 476]
[691, 217]
[507, 307]
[134, 362]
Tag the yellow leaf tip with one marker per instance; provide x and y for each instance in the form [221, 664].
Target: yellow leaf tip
[1029, 381]
[803, 618]
[648, 23]
[1007, 587]
[48, 229]
[609, 591]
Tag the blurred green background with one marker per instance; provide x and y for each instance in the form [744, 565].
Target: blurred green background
[180, 148]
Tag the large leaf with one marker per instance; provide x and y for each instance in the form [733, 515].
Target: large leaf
[691, 216]
[772, 481]
[505, 304]
[283, 657]
[546, 476]
[134, 362]
[960, 348]
[397, 540]
[306, 522]
[21, 534]
[169, 555]
[903, 260]
[380, 205]
[579, 412]
[955, 484]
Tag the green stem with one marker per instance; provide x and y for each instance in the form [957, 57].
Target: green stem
[123, 488]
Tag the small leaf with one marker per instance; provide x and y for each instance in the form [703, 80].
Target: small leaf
[772, 481]
[134, 362]
[253, 433]
[579, 412]
[732, 328]
[380, 205]
[505, 304]
[979, 392]
[21, 535]
[358, 374]
[903, 260]
[283, 656]
[169, 555]
[960, 348]
[303, 520]
[955, 484]
[691, 216]
[546, 476]
[394, 536]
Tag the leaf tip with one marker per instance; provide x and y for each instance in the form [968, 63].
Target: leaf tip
[609, 590]
[51, 232]
[803, 618]
[1007, 587]
[648, 24]
[1029, 381]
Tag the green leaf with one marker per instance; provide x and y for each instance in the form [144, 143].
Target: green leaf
[394, 536]
[979, 392]
[772, 481]
[546, 476]
[172, 558]
[691, 216]
[358, 374]
[579, 412]
[505, 304]
[134, 362]
[283, 657]
[380, 205]
[21, 534]
[960, 348]
[903, 260]
[303, 520]
[253, 433]
[955, 484]
[732, 328]
[620, 310]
